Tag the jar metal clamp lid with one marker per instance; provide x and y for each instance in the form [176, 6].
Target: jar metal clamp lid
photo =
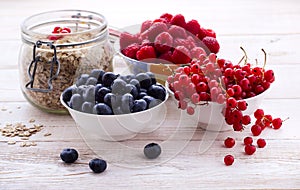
[34, 63]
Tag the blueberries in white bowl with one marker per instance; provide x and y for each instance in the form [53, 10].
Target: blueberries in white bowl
[106, 93]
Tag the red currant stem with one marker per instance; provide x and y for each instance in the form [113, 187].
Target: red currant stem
[265, 62]
[222, 87]
[265, 59]
[203, 104]
[286, 119]
[246, 56]
[241, 60]
[256, 62]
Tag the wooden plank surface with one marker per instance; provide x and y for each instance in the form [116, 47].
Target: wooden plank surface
[253, 24]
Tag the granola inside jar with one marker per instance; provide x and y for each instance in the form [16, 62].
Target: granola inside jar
[58, 47]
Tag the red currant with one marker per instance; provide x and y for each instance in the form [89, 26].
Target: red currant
[190, 110]
[256, 130]
[261, 143]
[248, 140]
[229, 142]
[246, 120]
[276, 123]
[182, 104]
[250, 149]
[267, 120]
[259, 113]
[230, 92]
[195, 98]
[231, 102]
[228, 160]
[242, 105]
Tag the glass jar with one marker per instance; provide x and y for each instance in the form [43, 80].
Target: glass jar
[58, 47]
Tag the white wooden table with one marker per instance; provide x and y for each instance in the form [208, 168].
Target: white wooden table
[253, 24]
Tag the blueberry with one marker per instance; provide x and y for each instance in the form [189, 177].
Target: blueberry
[139, 105]
[144, 79]
[69, 155]
[143, 90]
[82, 79]
[111, 100]
[97, 165]
[129, 88]
[152, 150]
[127, 103]
[148, 99]
[102, 109]
[89, 94]
[142, 94]
[136, 83]
[118, 86]
[152, 76]
[117, 111]
[76, 102]
[129, 77]
[67, 93]
[87, 107]
[91, 81]
[97, 73]
[108, 78]
[99, 96]
[97, 87]
[81, 89]
[157, 92]
[154, 103]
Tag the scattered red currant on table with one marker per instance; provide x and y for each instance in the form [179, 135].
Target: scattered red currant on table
[229, 142]
[261, 143]
[228, 160]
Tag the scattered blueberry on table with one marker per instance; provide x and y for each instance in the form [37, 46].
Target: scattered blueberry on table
[69, 155]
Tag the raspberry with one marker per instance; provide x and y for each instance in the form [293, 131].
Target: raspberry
[212, 44]
[155, 29]
[146, 42]
[196, 52]
[181, 55]
[177, 31]
[188, 43]
[163, 42]
[127, 39]
[160, 20]
[168, 17]
[202, 33]
[146, 25]
[146, 52]
[166, 57]
[193, 27]
[210, 32]
[178, 20]
[130, 51]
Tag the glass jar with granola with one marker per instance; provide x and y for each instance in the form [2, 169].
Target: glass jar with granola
[59, 46]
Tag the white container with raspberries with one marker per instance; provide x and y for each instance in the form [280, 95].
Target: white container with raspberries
[163, 44]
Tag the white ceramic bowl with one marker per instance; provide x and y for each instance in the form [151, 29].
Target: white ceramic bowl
[119, 127]
[210, 116]
[161, 70]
